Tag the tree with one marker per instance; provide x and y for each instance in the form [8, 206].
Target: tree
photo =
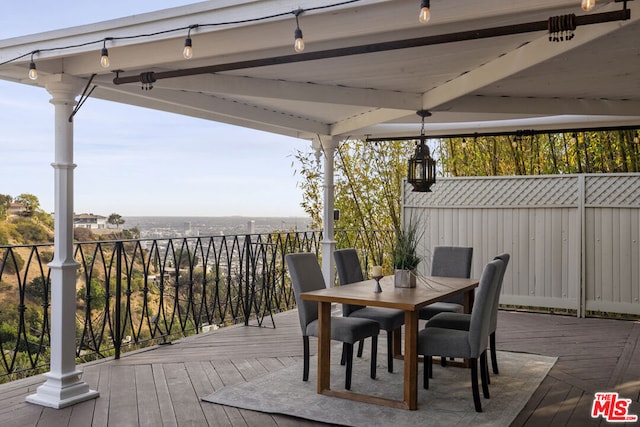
[131, 233]
[534, 154]
[115, 219]
[5, 204]
[368, 188]
[29, 201]
[38, 289]
[96, 295]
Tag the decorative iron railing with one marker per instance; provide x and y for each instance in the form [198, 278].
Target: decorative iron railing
[135, 293]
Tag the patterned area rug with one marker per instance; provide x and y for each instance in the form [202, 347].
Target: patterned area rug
[448, 402]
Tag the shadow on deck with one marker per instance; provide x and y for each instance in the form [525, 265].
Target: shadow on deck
[162, 385]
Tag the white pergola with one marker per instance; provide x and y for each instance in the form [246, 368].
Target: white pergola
[367, 68]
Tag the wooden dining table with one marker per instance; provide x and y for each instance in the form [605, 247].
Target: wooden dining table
[428, 290]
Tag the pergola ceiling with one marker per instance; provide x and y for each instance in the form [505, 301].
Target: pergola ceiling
[511, 82]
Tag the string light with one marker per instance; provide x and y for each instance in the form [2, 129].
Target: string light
[587, 5]
[298, 45]
[425, 12]
[104, 55]
[636, 139]
[33, 73]
[187, 52]
[425, 16]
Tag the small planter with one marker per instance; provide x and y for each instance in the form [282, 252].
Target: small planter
[404, 279]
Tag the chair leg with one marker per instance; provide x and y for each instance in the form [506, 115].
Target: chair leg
[343, 358]
[474, 384]
[484, 374]
[425, 374]
[390, 351]
[426, 371]
[349, 356]
[374, 356]
[443, 361]
[305, 347]
[486, 364]
[430, 366]
[494, 358]
[360, 347]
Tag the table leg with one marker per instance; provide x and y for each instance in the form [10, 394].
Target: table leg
[324, 346]
[397, 343]
[469, 296]
[411, 359]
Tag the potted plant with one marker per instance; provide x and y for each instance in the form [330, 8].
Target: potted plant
[405, 257]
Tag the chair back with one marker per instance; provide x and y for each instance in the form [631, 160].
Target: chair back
[496, 299]
[481, 312]
[452, 261]
[349, 271]
[306, 276]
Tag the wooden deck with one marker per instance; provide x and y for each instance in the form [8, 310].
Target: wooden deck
[162, 385]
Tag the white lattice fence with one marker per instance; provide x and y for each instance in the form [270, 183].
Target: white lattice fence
[574, 239]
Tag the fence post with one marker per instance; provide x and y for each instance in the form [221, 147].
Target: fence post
[581, 312]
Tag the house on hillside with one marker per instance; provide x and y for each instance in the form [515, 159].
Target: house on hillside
[17, 209]
[90, 221]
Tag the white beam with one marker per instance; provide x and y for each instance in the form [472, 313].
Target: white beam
[517, 60]
[373, 117]
[207, 104]
[296, 91]
[542, 106]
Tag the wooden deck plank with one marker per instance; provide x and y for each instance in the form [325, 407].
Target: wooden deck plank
[163, 385]
[567, 407]
[201, 374]
[167, 414]
[123, 396]
[147, 398]
[101, 410]
[186, 403]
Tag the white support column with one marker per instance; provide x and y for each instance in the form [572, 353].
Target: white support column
[329, 145]
[63, 386]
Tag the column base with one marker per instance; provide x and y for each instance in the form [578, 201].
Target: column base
[60, 391]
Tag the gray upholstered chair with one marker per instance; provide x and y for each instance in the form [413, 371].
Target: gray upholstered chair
[306, 276]
[389, 319]
[451, 261]
[469, 344]
[462, 321]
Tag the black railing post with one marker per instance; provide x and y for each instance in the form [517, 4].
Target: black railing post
[117, 335]
[247, 275]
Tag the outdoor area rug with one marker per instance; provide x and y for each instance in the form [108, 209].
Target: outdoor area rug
[448, 401]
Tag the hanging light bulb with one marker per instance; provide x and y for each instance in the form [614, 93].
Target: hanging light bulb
[33, 73]
[104, 56]
[587, 5]
[636, 139]
[187, 52]
[464, 143]
[425, 12]
[298, 45]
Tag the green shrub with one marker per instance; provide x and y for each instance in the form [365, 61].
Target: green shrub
[31, 232]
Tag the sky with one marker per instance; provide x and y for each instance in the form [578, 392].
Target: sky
[134, 161]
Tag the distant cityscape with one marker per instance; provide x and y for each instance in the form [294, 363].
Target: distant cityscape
[155, 227]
